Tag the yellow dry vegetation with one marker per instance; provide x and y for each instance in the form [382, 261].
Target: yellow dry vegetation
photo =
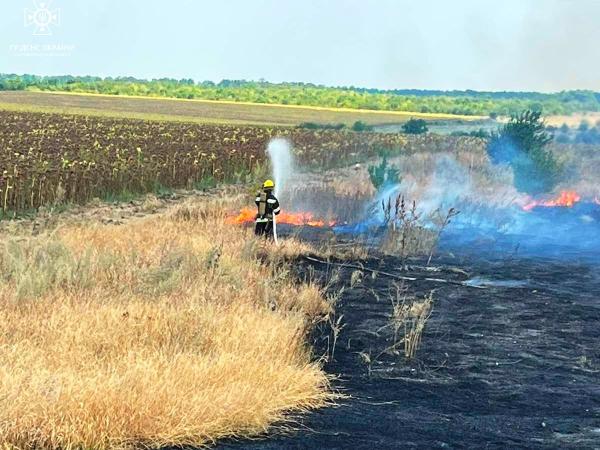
[168, 330]
[573, 120]
[202, 111]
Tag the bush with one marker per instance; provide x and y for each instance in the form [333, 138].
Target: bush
[584, 125]
[481, 133]
[588, 136]
[321, 126]
[521, 144]
[361, 126]
[383, 174]
[415, 126]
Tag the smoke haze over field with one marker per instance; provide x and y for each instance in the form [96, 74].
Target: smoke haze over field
[494, 217]
[547, 45]
[497, 218]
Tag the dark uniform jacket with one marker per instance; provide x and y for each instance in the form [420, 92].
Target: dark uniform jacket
[268, 205]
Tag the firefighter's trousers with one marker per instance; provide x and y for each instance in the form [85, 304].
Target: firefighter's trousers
[264, 228]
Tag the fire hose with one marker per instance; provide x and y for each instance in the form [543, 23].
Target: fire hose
[392, 275]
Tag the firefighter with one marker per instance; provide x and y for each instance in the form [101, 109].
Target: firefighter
[268, 207]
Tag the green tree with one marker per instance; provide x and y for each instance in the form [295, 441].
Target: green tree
[361, 126]
[521, 144]
[415, 126]
[383, 174]
[456, 102]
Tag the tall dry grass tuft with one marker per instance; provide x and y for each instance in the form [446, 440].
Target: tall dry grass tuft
[405, 236]
[405, 231]
[408, 320]
[158, 332]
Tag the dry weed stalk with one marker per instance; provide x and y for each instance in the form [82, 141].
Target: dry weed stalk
[408, 321]
[367, 358]
[442, 223]
[335, 324]
[403, 236]
[336, 328]
[356, 278]
[419, 313]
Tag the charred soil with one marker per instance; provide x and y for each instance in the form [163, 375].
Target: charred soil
[509, 358]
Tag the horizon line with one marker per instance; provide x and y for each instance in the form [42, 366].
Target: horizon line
[308, 83]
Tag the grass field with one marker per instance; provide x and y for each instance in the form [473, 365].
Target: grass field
[201, 111]
[574, 120]
[173, 329]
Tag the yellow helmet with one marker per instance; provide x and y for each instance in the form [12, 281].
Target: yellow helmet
[268, 184]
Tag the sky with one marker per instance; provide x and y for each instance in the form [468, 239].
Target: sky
[523, 45]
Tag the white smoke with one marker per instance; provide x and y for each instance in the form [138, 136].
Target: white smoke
[282, 163]
[449, 185]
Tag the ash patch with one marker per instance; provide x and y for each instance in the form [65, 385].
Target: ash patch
[500, 366]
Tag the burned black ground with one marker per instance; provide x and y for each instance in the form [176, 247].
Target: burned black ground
[512, 361]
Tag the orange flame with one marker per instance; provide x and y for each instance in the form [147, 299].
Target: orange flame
[564, 199]
[248, 215]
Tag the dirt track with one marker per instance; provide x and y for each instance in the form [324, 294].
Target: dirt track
[515, 364]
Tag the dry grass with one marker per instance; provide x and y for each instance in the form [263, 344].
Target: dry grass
[339, 195]
[573, 120]
[354, 250]
[151, 203]
[169, 330]
[408, 320]
[404, 234]
[583, 166]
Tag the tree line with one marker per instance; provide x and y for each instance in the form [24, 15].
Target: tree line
[424, 101]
